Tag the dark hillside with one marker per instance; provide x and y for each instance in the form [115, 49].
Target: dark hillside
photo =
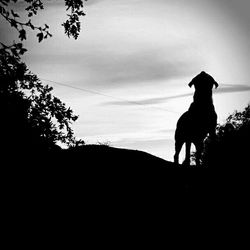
[132, 171]
[101, 183]
[101, 155]
[106, 169]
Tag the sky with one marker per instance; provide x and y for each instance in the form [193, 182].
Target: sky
[129, 70]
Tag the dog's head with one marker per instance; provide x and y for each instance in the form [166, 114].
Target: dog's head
[203, 82]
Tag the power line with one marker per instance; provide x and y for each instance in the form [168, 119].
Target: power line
[109, 96]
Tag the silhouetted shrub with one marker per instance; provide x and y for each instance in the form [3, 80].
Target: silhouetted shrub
[231, 145]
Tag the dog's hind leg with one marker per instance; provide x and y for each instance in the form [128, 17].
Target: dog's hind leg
[187, 158]
[178, 146]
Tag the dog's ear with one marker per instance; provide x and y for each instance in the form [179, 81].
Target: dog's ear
[216, 84]
[195, 80]
[191, 84]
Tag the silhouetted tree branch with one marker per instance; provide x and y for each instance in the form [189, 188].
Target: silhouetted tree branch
[72, 25]
[32, 115]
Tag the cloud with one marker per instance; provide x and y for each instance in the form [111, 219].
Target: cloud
[108, 69]
[148, 101]
[230, 88]
[138, 67]
[225, 88]
[118, 48]
[91, 2]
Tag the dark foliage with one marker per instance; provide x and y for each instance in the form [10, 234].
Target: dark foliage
[30, 113]
[231, 145]
[31, 117]
[72, 25]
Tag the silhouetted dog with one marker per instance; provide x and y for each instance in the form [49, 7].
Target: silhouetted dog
[200, 119]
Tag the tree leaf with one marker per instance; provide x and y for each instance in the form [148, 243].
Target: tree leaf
[40, 37]
[22, 34]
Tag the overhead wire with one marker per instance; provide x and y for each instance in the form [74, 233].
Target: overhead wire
[106, 95]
